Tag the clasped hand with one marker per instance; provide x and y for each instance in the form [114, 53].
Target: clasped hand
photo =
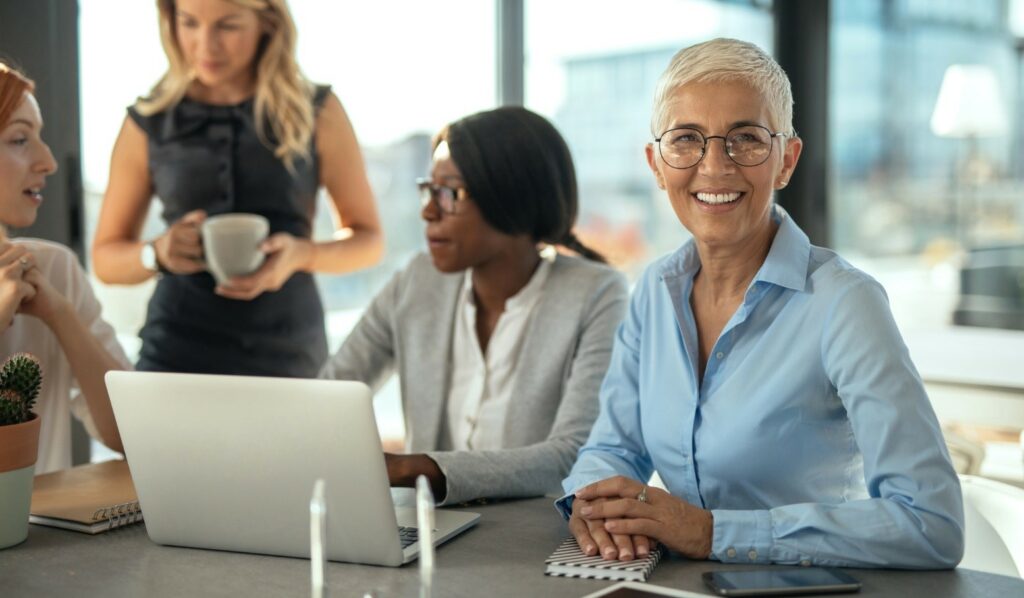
[23, 288]
[608, 518]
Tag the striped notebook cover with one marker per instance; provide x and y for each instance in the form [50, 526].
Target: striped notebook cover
[569, 561]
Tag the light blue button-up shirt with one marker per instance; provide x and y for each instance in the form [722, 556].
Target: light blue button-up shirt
[810, 437]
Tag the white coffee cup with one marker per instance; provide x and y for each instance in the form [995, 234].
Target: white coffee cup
[231, 243]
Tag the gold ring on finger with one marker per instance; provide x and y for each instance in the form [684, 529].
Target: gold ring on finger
[642, 497]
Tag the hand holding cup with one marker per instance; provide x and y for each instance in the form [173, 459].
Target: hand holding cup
[260, 263]
[231, 244]
[180, 249]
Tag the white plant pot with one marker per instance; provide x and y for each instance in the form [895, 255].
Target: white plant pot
[15, 496]
[19, 446]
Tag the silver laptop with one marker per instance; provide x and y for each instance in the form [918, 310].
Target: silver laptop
[229, 462]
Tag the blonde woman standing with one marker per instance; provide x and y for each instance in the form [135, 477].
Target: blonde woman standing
[233, 126]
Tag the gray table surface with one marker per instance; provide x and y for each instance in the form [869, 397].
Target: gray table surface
[502, 556]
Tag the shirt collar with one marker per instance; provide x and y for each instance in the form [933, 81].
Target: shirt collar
[786, 264]
[787, 261]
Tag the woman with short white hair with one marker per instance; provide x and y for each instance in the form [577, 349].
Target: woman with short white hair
[761, 377]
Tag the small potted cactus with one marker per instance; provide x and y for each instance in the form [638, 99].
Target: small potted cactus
[20, 380]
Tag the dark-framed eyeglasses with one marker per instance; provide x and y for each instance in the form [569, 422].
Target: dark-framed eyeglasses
[446, 197]
[746, 145]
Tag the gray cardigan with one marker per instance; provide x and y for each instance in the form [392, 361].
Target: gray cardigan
[565, 351]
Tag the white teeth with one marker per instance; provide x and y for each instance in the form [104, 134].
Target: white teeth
[718, 198]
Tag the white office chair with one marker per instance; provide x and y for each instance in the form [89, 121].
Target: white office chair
[994, 526]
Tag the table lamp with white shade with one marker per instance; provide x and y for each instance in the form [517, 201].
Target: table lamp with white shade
[969, 107]
[969, 103]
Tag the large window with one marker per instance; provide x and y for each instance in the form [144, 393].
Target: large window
[593, 72]
[927, 195]
[402, 70]
[926, 147]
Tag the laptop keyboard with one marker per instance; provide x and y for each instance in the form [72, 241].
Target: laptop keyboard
[408, 535]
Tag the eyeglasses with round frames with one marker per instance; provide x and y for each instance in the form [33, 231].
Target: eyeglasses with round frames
[446, 197]
[746, 145]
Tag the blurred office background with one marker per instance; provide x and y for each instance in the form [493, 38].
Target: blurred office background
[911, 111]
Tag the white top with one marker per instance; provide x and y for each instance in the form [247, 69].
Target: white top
[481, 385]
[59, 396]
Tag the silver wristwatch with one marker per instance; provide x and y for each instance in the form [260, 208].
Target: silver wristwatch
[148, 257]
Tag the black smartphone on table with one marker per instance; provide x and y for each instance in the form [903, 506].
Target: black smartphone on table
[780, 582]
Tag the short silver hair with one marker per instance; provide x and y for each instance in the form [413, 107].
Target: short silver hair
[725, 59]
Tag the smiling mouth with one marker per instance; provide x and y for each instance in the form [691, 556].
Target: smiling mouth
[715, 199]
[34, 193]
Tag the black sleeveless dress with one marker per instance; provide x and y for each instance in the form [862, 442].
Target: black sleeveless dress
[209, 157]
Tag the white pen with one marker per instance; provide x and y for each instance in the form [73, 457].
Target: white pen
[425, 523]
[317, 537]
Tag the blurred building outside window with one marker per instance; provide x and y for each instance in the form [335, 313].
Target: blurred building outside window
[909, 202]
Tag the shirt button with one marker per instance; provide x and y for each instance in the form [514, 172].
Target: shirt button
[730, 553]
[753, 555]
[805, 563]
[720, 355]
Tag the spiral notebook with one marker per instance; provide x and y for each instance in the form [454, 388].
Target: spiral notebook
[569, 561]
[90, 498]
